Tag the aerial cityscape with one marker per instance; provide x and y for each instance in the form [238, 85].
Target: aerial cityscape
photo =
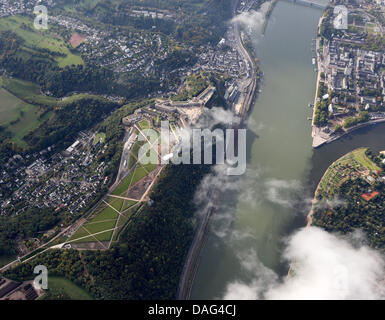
[192, 150]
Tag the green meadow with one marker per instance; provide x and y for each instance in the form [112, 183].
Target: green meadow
[58, 285]
[43, 39]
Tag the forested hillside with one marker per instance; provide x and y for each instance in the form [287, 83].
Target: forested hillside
[147, 262]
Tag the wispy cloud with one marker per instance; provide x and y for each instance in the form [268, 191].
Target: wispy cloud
[325, 266]
[252, 19]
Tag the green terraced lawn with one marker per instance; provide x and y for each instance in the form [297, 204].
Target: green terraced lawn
[128, 204]
[150, 167]
[106, 214]
[124, 185]
[105, 236]
[100, 226]
[92, 228]
[80, 233]
[139, 173]
[30, 92]
[116, 203]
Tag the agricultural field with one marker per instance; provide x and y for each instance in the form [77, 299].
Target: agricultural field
[23, 27]
[60, 285]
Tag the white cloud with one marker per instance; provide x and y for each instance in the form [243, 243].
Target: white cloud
[216, 115]
[282, 192]
[326, 266]
[252, 19]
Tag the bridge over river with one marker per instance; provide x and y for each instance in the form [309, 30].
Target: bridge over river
[309, 3]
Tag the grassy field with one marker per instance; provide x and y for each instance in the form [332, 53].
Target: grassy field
[123, 185]
[127, 204]
[360, 156]
[10, 107]
[19, 117]
[30, 93]
[105, 220]
[44, 39]
[60, 284]
[21, 100]
[139, 173]
[105, 214]
[101, 136]
[144, 124]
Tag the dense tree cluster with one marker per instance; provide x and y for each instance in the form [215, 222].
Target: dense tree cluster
[68, 121]
[30, 223]
[355, 212]
[352, 121]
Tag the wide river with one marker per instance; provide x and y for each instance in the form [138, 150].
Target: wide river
[271, 200]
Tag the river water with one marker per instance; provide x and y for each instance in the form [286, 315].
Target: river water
[271, 200]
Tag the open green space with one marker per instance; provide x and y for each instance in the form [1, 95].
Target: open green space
[127, 204]
[116, 203]
[19, 117]
[362, 158]
[30, 93]
[104, 220]
[139, 173]
[144, 124]
[123, 185]
[106, 214]
[59, 285]
[42, 39]
[100, 137]
[100, 226]
[10, 107]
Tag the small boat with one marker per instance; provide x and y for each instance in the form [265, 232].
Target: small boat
[310, 118]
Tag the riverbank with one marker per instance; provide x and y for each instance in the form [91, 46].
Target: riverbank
[267, 16]
[315, 132]
[193, 257]
[321, 141]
